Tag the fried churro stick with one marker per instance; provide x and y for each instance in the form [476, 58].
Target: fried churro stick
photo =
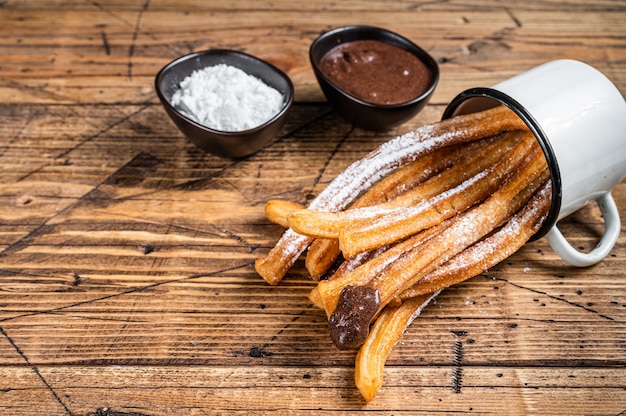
[331, 224]
[469, 228]
[467, 264]
[399, 224]
[393, 321]
[323, 252]
[321, 256]
[383, 336]
[400, 186]
[412, 265]
[416, 172]
[361, 174]
[491, 250]
[356, 228]
[347, 266]
[277, 262]
[330, 290]
[277, 210]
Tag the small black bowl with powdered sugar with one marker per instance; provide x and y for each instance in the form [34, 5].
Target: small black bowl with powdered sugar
[229, 103]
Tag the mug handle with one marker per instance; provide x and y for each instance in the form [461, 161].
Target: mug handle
[612, 228]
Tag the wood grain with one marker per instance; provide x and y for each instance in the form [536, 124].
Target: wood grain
[126, 277]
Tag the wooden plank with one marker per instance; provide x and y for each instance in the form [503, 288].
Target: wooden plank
[511, 315]
[126, 278]
[237, 390]
[480, 43]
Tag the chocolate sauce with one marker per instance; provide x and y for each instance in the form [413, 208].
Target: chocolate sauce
[349, 324]
[376, 72]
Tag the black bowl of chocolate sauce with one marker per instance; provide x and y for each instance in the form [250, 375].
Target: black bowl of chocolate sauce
[374, 78]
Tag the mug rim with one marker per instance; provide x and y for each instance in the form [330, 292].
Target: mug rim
[508, 101]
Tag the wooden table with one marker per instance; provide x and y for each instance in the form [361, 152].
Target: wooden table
[127, 285]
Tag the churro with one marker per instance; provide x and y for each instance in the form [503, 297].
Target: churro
[277, 210]
[323, 252]
[389, 156]
[321, 256]
[491, 250]
[466, 229]
[424, 211]
[401, 223]
[393, 320]
[330, 290]
[330, 224]
[383, 336]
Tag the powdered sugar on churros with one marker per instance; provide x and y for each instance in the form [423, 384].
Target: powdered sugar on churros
[389, 156]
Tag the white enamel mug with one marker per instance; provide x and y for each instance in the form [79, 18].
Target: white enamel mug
[579, 118]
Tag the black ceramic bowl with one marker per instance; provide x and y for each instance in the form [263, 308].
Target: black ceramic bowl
[362, 113]
[224, 143]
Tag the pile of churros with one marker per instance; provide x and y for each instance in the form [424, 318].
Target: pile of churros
[423, 211]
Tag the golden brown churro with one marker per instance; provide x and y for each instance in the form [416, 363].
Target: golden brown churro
[323, 252]
[330, 224]
[277, 210]
[321, 256]
[393, 320]
[422, 212]
[385, 333]
[466, 229]
[329, 290]
[491, 250]
[363, 173]
[399, 224]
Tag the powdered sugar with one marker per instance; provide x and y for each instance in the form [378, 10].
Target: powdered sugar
[507, 239]
[419, 309]
[363, 173]
[226, 98]
[387, 216]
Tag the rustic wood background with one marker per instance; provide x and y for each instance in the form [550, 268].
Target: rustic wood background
[126, 278]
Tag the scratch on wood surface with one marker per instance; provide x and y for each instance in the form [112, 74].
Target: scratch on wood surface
[308, 124]
[18, 133]
[261, 351]
[517, 22]
[557, 298]
[35, 370]
[131, 48]
[47, 226]
[128, 292]
[331, 156]
[133, 172]
[88, 139]
[237, 238]
[105, 43]
[201, 183]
